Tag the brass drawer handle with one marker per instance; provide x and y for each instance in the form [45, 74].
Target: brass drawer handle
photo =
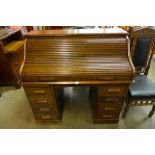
[44, 109]
[39, 92]
[112, 109]
[45, 117]
[111, 99]
[114, 90]
[107, 116]
[41, 101]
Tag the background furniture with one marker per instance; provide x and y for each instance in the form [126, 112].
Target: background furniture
[11, 57]
[98, 58]
[30, 28]
[142, 92]
[6, 73]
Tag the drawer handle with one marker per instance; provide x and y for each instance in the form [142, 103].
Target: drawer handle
[45, 117]
[111, 99]
[39, 92]
[114, 90]
[44, 109]
[41, 101]
[112, 109]
[107, 116]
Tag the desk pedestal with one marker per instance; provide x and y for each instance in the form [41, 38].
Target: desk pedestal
[106, 102]
[45, 101]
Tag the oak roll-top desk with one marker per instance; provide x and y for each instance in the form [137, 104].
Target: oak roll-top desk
[98, 58]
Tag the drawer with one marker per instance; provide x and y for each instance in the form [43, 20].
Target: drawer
[46, 117]
[108, 109]
[74, 78]
[39, 78]
[112, 90]
[110, 99]
[114, 77]
[39, 91]
[45, 109]
[108, 116]
[42, 101]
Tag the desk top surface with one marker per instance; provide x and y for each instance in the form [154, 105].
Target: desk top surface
[65, 32]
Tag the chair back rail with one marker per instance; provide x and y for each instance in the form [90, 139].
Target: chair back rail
[142, 44]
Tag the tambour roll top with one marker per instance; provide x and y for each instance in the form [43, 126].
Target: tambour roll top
[77, 52]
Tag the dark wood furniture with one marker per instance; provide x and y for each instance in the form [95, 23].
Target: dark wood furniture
[98, 58]
[29, 28]
[142, 91]
[11, 57]
[6, 73]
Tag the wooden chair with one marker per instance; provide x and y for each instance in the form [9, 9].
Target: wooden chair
[142, 90]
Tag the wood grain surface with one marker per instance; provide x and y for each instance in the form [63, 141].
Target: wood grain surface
[73, 55]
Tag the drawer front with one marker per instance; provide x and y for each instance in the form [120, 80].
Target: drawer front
[44, 109]
[42, 101]
[76, 78]
[112, 90]
[114, 77]
[110, 99]
[107, 116]
[46, 117]
[39, 91]
[51, 110]
[103, 108]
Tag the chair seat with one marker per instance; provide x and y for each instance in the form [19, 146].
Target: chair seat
[143, 88]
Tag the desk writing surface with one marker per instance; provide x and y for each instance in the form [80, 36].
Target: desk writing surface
[77, 52]
[76, 32]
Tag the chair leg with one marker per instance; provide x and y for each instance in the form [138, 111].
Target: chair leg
[152, 111]
[125, 111]
[18, 84]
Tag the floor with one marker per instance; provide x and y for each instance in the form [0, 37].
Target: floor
[15, 112]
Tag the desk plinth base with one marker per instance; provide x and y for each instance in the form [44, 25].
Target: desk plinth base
[39, 121]
[105, 121]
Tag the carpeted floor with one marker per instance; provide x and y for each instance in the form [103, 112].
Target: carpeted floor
[15, 111]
